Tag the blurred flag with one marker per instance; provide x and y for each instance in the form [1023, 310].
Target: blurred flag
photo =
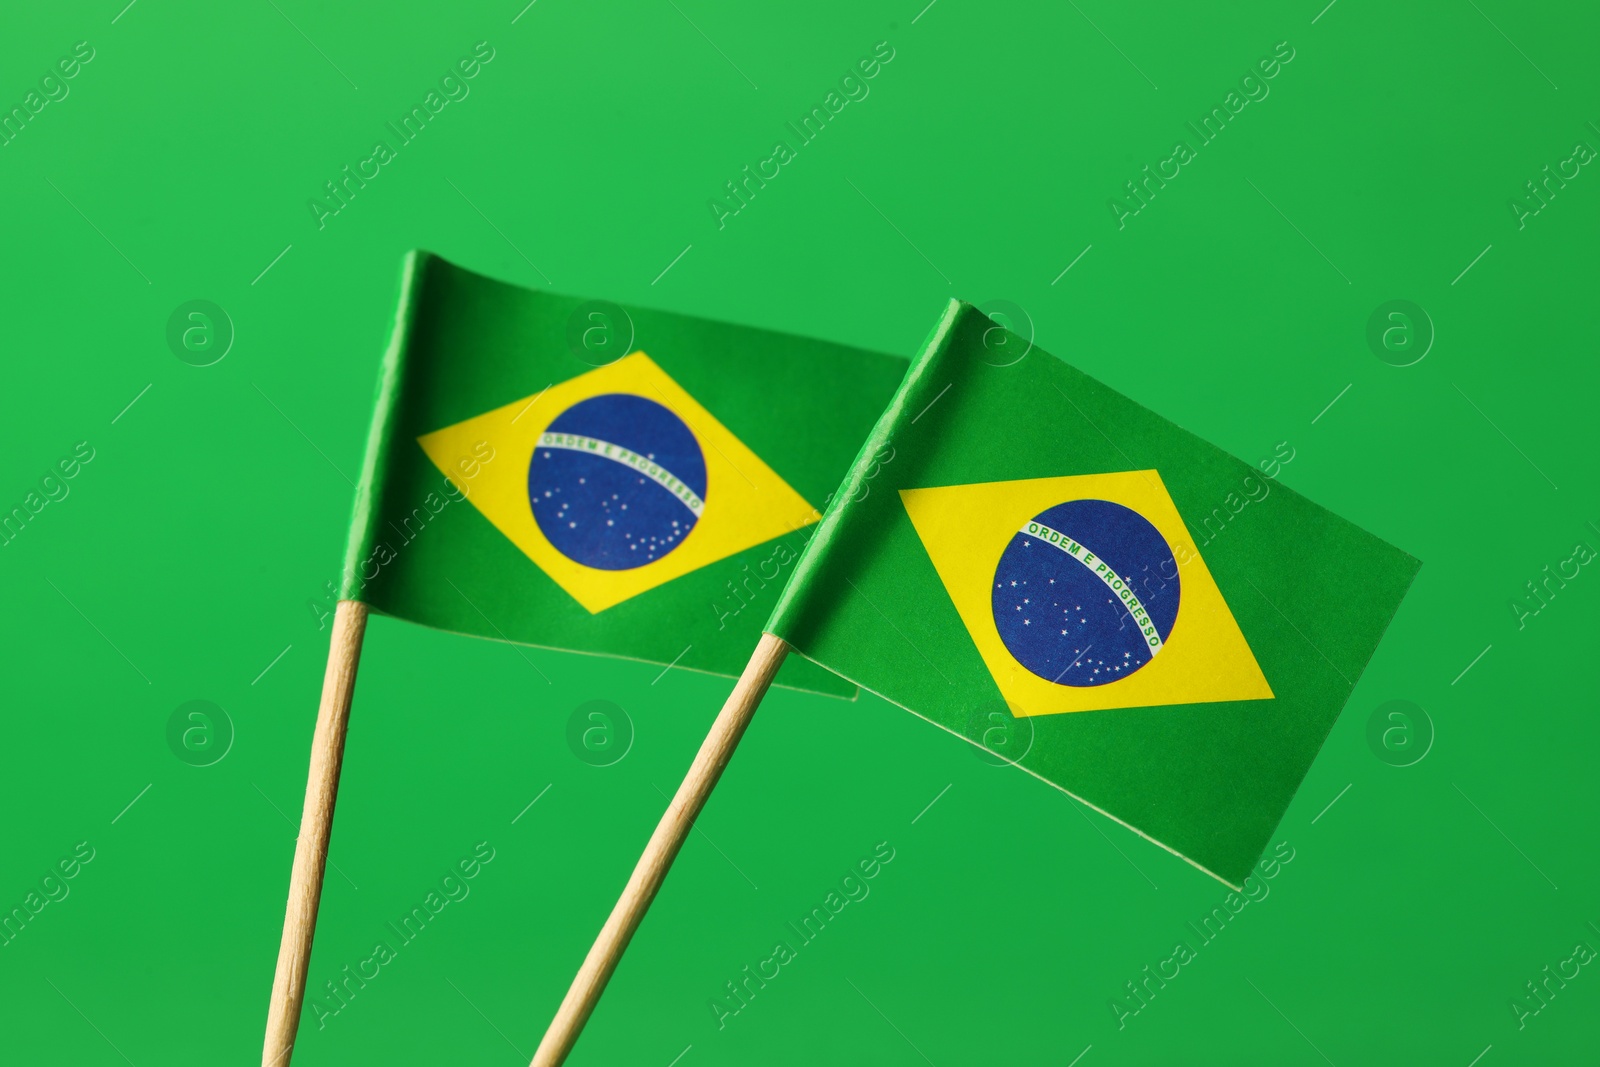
[578, 475]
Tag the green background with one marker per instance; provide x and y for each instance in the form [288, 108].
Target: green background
[183, 560]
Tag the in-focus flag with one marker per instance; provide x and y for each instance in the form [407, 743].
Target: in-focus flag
[582, 476]
[1021, 549]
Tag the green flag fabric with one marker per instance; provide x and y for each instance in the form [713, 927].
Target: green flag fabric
[578, 475]
[1036, 563]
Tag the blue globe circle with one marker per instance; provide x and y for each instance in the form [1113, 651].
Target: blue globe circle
[615, 482]
[1070, 617]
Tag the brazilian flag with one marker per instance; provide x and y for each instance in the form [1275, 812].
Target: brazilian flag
[1038, 564]
[579, 475]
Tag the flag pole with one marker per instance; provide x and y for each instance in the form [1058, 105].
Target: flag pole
[316, 822]
[651, 870]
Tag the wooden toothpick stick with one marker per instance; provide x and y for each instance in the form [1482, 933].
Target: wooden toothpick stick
[663, 848]
[316, 822]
